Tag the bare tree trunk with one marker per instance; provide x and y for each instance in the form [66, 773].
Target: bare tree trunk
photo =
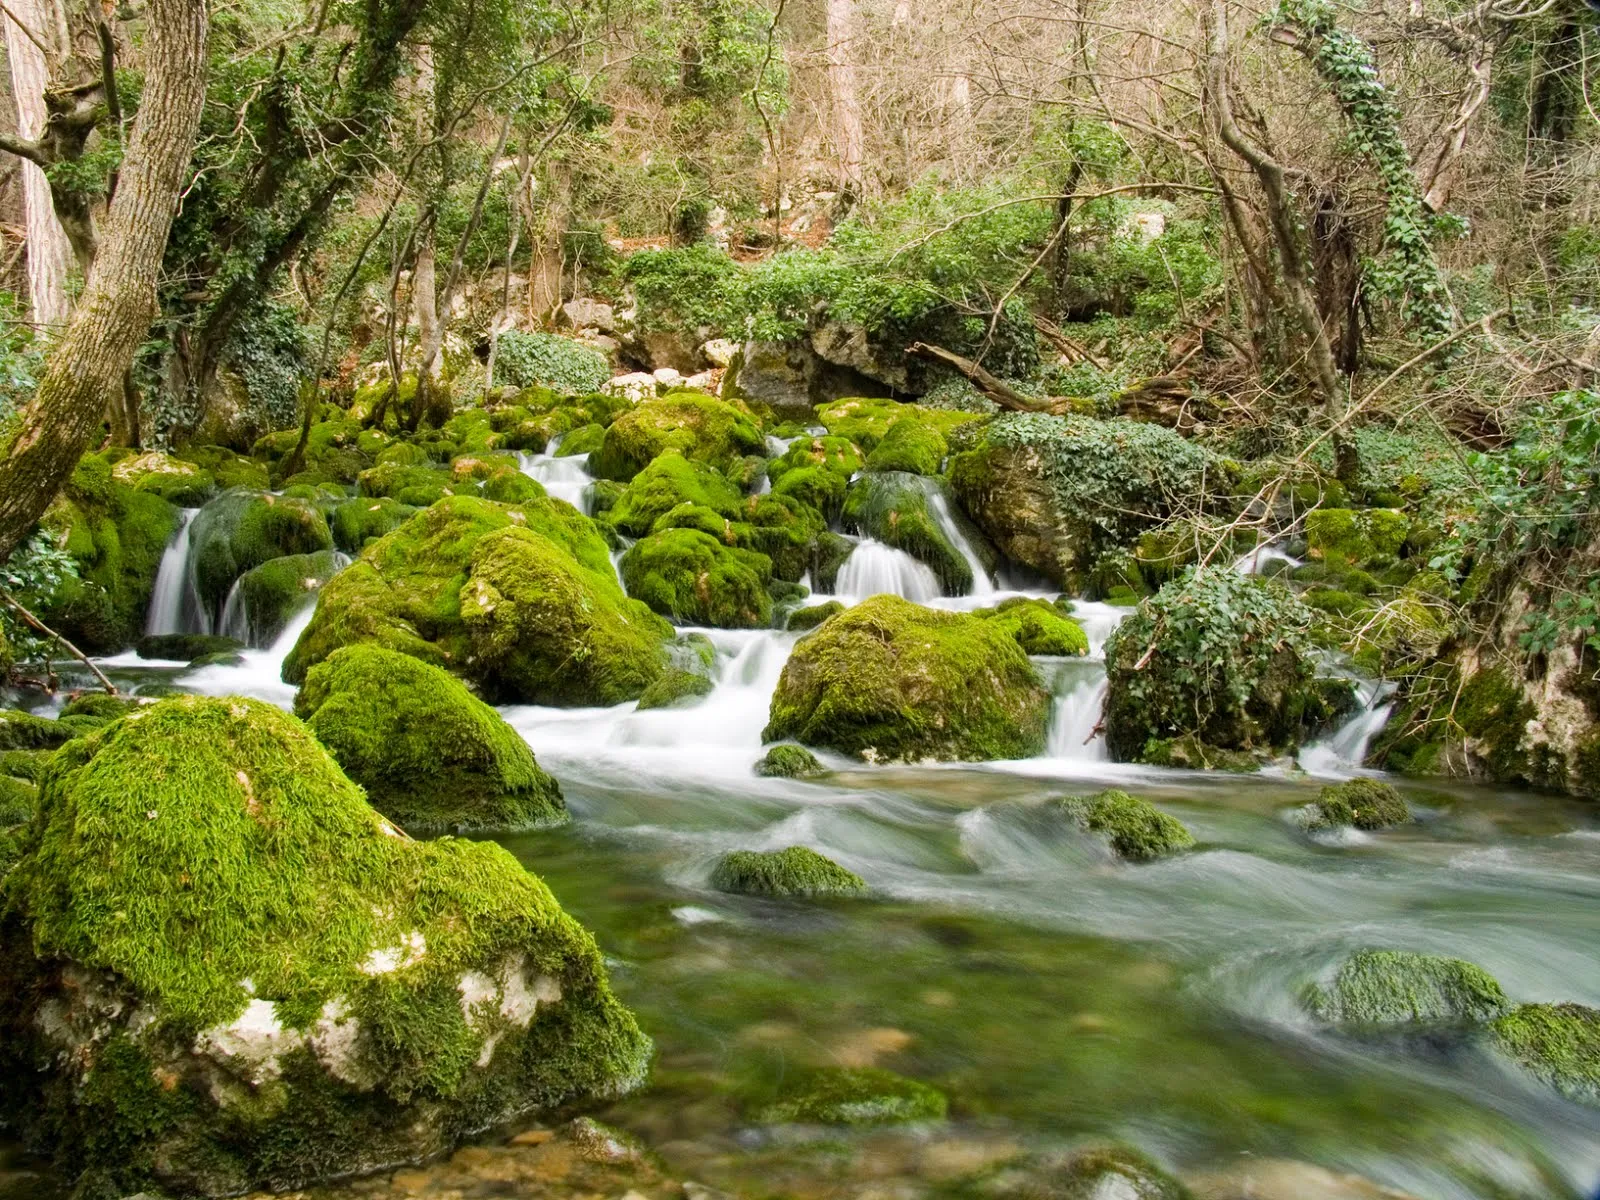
[847, 126]
[118, 304]
[521, 204]
[425, 307]
[47, 242]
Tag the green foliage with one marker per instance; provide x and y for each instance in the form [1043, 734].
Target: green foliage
[271, 352]
[797, 871]
[548, 360]
[1136, 829]
[711, 51]
[1391, 987]
[1410, 273]
[21, 360]
[33, 574]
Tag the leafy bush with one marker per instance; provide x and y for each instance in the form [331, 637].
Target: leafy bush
[21, 362]
[270, 352]
[529, 359]
[32, 574]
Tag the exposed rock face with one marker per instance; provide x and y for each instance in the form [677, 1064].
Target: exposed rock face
[890, 681]
[225, 970]
[1009, 496]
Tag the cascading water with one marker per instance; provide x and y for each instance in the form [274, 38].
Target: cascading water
[1260, 559]
[240, 624]
[982, 585]
[565, 478]
[874, 569]
[175, 603]
[1342, 752]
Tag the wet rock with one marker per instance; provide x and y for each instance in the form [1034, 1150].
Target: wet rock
[797, 871]
[241, 530]
[1393, 987]
[900, 510]
[1136, 829]
[689, 576]
[1358, 803]
[790, 762]
[677, 688]
[890, 681]
[855, 1096]
[430, 755]
[271, 982]
[810, 618]
[185, 647]
[1558, 1044]
[1038, 626]
[266, 598]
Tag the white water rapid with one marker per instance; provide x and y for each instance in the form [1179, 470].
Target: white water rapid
[175, 603]
[564, 478]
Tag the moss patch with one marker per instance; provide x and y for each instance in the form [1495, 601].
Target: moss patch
[696, 426]
[810, 618]
[1038, 627]
[267, 597]
[357, 522]
[1557, 1043]
[1136, 829]
[859, 1096]
[1392, 987]
[240, 530]
[797, 871]
[431, 755]
[909, 445]
[675, 689]
[790, 762]
[689, 576]
[891, 681]
[1362, 803]
[667, 483]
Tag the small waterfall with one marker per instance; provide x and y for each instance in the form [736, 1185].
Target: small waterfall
[564, 478]
[939, 505]
[1255, 562]
[235, 621]
[874, 569]
[1344, 750]
[175, 603]
[1075, 722]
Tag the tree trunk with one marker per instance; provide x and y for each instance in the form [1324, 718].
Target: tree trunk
[47, 242]
[114, 315]
[847, 126]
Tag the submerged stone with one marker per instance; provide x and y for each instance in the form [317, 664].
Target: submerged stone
[1361, 803]
[891, 681]
[227, 971]
[856, 1096]
[1136, 829]
[1396, 987]
[790, 762]
[430, 754]
[1558, 1044]
[797, 871]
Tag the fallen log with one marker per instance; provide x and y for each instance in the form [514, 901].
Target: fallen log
[998, 390]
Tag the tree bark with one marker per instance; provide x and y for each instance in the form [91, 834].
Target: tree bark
[114, 315]
[47, 242]
[847, 126]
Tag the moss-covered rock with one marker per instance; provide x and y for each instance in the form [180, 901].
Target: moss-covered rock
[1054, 493]
[1361, 803]
[790, 762]
[866, 421]
[1113, 1173]
[797, 871]
[357, 522]
[1038, 626]
[809, 618]
[689, 576]
[18, 797]
[185, 647]
[667, 483]
[891, 681]
[511, 487]
[1396, 987]
[676, 688]
[902, 511]
[27, 765]
[414, 485]
[240, 530]
[521, 601]
[265, 599]
[429, 753]
[24, 731]
[1136, 829]
[116, 536]
[333, 450]
[1343, 537]
[585, 439]
[698, 427]
[256, 981]
[1217, 655]
[909, 445]
[855, 1096]
[1558, 1044]
[816, 470]
[178, 482]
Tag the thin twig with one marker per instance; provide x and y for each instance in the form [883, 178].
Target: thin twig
[39, 626]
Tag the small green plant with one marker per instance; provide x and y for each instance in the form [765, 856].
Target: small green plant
[32, 575]
[529, 359]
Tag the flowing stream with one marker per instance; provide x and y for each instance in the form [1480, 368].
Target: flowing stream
[1055, 994]
[175, 605]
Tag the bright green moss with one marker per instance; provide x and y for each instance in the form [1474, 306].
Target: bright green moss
[586, 439]
[205, 858]
[511, 487]
[675, 689]
[789, 762]
[1362, 803]
[891, 681]
[1395, 987]
[1190, 753]
[418, 486]
[241, 530]
[663, 485]
[1136, 829]
[898, 510]
[786, 530]
[430, 755]
[24, 764]
[24, 731]
[1557, 1043]
[268, 596]
[357, 522]
[175, 481]
[689, 576]
[1354, 538]
[696, 426]
[810, 618]
[403, 454]
[855, 1096]
[230, 470]
[17, 800]
[816, 471]
[797, 871]
[866, 422]
[1038, 627]
[909, 445]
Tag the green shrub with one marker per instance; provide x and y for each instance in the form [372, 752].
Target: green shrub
[526, 359]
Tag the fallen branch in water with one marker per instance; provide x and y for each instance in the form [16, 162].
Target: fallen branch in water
[39, 626]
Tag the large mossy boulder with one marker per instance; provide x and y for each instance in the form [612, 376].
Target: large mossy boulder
[174, 480]
[690, 577]
[1559, 1044]
[227, 971]
[265, 599]
[429, 753]
[240, 530]
[116, 535]
[1054, 493]
[1217, 656]
[1396, 987]
[816, 471]
[521, 601]
[905, 511]
[695, 425]
[667, 483]
[891, 681]
[357, 522]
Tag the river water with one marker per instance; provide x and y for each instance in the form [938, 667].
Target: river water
[1054, 994]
